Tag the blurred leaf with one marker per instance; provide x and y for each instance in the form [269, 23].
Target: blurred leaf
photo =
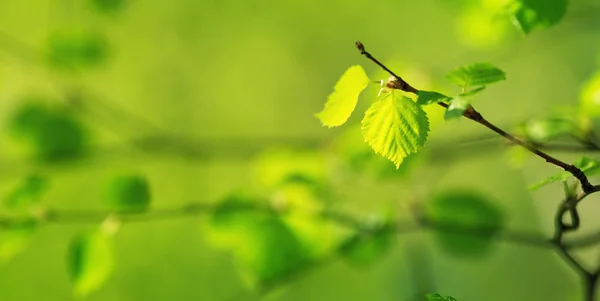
[395, 127]
[437, 297]
[342, 101]
[589, 100]
[91, 262]
[70, 50]
[53, 133]
[545, 129]
[464, 209]
[107, 6]
[14, 239]
[589, 166]
[528, 15]
[263, 245]
[27, 194]
[277, 167]
[364, 248]
[457, 107]
[429, 97]
[128, 193]
[477, 74]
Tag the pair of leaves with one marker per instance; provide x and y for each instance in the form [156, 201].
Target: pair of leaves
[475, 76]
[589, 166]
[394, 126]
[452, 213]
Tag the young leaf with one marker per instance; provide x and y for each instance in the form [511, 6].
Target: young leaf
[128, 193]
[429, 97]
[438, 297]
[395, 127]
[90, 262]
[342, 101]
[545, 129]
[589, 166]
[531, 14]
[462, 209]
[589, 99]
[478, 74]
[457, 107]
[473, 92]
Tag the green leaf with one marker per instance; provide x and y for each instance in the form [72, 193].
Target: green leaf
[457, 107]
[528, 15]
[395, 127]
[477, 74]
[27, 194]
[429, 97]
[128, 193]
[53, 133]
[91, 262]
[589, 166]
[264, 247]
[14, 239]
[364, 248]
[73, 49]
[438, 297]
[455, 210]
[342, 101]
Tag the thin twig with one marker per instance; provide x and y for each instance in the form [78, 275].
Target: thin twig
[472, 114]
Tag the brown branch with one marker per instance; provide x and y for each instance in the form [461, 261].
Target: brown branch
[474, 115]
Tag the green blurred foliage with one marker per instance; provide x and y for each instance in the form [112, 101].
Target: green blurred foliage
[128, 193]
[77, 49]
[52, 132]
[465, 208]
[91, 262]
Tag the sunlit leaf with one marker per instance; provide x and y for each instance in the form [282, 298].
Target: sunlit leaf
[438, 297]
[477, 74]
[528, 15]
[395, 127]
[429, 97]
[464, 210]
[128, 193]
[342, 101]
[68, 50]
[457, 107]
[589, 166]
[15, 239]
[91, 262]
[472, 92]
[28, 193]
[365, 248]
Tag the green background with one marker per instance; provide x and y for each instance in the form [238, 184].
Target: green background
[237, 77]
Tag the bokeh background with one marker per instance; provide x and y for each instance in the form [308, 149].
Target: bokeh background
[208, 99]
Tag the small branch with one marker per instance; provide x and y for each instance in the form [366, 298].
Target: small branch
[472, 114]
